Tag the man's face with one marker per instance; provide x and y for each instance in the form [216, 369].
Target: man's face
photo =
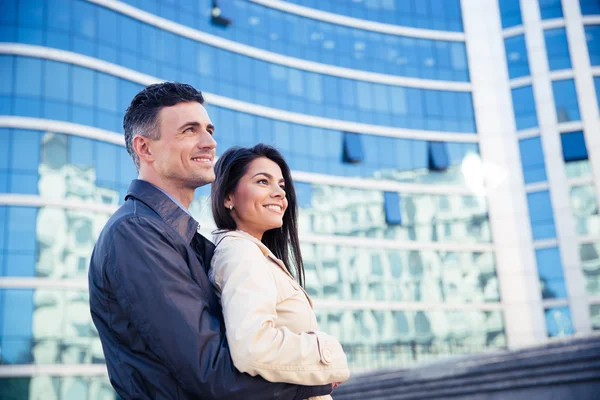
[185, 152]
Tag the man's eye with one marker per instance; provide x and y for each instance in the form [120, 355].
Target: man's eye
[190, 129]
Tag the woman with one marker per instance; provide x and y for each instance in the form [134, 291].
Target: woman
[270, 324]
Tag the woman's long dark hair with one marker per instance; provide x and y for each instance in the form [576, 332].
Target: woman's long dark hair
[229, 169]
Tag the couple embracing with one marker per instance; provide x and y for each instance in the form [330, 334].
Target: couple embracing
[181, 317]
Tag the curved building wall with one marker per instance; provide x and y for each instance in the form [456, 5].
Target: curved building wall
[415, 230]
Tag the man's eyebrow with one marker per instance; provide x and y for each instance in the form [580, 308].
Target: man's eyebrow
[209, 127]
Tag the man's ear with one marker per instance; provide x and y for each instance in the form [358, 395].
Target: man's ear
[143, 148]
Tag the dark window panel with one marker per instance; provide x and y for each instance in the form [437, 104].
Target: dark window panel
[393, 215]
[353, 151]
[573, 146]
[438, 156]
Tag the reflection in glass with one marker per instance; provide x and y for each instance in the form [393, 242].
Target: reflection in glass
[595, 316]
[392, 338]
[565, 100]
[550, 271]
[584, 206]
[48, 327]
[559, 321]
[516, 56]
[58, 388]
[431, 218]
[350, 273]
[590, 263]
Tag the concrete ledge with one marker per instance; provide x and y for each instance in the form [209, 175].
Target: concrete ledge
[566, 369]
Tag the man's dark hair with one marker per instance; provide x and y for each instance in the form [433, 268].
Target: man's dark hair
[141, 117]
[229, 169]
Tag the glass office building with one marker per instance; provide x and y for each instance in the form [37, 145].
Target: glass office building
[444, 153]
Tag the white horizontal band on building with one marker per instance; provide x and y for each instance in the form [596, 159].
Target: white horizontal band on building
[15, 371]
[362, 24]
[277, 58]
[225, 102]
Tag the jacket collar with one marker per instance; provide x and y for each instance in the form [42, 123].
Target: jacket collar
[219, 235]
[170, 212]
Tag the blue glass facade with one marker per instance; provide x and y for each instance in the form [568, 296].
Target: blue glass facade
[427, 14]
[161, 54]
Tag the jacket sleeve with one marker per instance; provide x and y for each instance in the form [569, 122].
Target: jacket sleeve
[249, 296]
[153, 285]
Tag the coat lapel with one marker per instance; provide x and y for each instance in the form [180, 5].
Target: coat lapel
[219, 235]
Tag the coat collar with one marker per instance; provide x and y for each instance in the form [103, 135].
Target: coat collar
[170, 212]
[219, 235]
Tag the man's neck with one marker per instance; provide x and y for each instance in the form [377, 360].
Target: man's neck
[182, 194]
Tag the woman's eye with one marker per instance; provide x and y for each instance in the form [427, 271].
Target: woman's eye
[263, 181]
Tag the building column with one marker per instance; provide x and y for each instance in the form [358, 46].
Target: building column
[555, 167]
[509, 216]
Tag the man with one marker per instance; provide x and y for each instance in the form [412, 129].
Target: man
[158, 317]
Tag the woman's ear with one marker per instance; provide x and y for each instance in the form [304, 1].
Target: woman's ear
[229, 202]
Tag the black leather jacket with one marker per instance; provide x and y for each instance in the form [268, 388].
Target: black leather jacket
[158, 317]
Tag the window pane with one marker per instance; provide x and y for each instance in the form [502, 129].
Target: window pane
[541, 215]
[550, 272]
[558, 321]
[392, 208]
[589, 7]
[565, 99]
[56, 80]
[597, 86]
[590, 263]
[516, 56]
[557, 49]
[353, 151]
[510, 13]
[550, 9]
[595, 316]
[573, 146]
[524, 108]
[29, 77]
[532, 160]
[592, 36]
[585, 210]
[438, 156]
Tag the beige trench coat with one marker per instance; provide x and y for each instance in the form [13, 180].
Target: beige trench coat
[270, 324]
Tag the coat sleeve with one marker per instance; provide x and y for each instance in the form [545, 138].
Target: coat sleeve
[153, 285]
[249, 297]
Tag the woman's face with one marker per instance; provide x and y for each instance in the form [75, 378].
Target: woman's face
[259, 200]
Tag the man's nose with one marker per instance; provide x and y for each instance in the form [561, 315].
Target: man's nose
[207, 141]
